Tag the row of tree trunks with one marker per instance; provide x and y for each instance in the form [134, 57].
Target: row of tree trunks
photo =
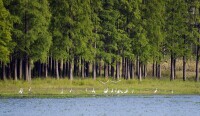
[60, 69]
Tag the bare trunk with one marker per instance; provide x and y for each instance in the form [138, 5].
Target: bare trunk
[132, 70]
[82, 68]
[100, 69]
[51, 66]
[159, 71]
[172, 68]
[29, 70]
[197, 62]
[15, 70]
[57, 72]
[117, 70]
[20, 68]
[94, 70]
[61, 68]
[153, 71]
[4, 71]
[123, 68]
[106, 70]
[128, 69]
[137, 66]
[26, 69]
[71, 70]
[184, 68]
[139, 72]
[46, 70]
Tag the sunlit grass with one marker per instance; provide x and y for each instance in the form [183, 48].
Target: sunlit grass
[51, 87]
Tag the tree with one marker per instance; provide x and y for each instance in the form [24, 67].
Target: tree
[30, 31]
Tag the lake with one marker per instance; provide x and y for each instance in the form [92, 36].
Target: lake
[156, 105]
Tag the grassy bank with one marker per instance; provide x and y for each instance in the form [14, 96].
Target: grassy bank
[52, 88]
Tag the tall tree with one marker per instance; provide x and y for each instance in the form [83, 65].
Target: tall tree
[5, 36]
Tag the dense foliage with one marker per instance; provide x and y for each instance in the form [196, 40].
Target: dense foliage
[117, 38]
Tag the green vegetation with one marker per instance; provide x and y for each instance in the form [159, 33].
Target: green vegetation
[52, 88]
[61, 44]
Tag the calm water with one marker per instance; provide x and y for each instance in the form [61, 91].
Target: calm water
[104, 106]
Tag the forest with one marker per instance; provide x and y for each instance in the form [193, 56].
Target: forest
[98, 38]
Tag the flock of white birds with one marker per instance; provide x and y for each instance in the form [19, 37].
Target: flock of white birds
[105, 91]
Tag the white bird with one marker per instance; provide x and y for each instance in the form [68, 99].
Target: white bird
[86, 90]
[126, 91]
[112, 91]
[61, 91]
[70, 90]
[155, 91]
[93, 91]
[105, 91]
[29, 90]
[172, 91]
[115, 81]
[104, 82]
[21, 91]
[132, 91]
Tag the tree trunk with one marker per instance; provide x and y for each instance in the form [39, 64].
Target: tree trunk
[29, 70]
[100, 69]
[15, 70]
[82, 68]
[197, 62]
[64, 70]
[71, 70]
[112, 71]
[137, 66]
[184, 68]
[153, 71]
[61, 68]
[159, 71]
[118, 70]
[87, 69]
[123, 68]
[46, 70]
[57, 71]
[128, 69]
[106, 70]
[94, 70]
[51, 66]
[4, 71]
[26, 69]
[139, 72]
[145, 71]
[172, 68]
[132, 70]
[20, 68]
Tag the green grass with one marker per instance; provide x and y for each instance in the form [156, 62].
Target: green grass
[52, 88]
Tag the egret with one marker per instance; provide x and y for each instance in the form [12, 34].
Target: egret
[104, 82]
[29, 90]
[105, 91]
[112, 91]
[172, 91]
[61, 91]
[21, 91]
[126, 91]
[70, 90]
[93, 91]
[86, 90]
[155, 91]
[115, 81]
[132, 91]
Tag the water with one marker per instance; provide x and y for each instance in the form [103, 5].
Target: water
[157, 105]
